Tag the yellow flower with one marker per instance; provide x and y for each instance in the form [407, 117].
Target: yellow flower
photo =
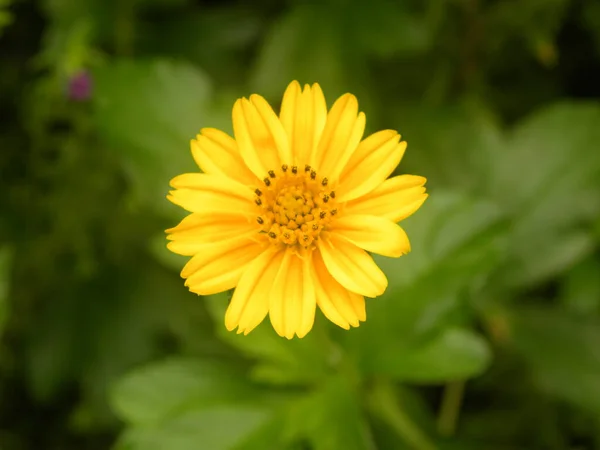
[286, 212]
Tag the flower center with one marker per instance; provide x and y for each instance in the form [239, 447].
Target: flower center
[296, 204]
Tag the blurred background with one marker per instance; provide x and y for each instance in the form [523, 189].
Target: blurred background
[488, 336]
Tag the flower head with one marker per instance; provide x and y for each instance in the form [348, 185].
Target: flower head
[79, 87]
[287, 212]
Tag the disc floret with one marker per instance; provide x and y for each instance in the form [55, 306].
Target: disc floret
[295, 206]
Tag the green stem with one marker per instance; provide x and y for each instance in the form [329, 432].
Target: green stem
[124, 28]
[382, 403]
[450, 408]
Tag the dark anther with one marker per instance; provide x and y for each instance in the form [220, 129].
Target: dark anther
[315, 227]
[322, 215]
[260, 220]
[271, 174]
[326, 198]
[305, 237]
[307, 168]
[267, 181]
[258, 201]
[284, 167]
[272, 235]
[286, 235]
[324, 182]
[333, 212]
[258, 192]
[313, 175]
[332, 194]
[294, 170]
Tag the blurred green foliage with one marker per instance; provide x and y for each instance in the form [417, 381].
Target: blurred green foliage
[488, 336]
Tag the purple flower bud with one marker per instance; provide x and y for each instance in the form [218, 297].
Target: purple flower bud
[80, 86]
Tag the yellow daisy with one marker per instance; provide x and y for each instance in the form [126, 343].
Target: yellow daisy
[287, 212]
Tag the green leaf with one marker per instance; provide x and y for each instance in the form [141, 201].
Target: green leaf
[455, 354]
[100, 330]
[330, 418]
[563, 353]
[5, 267]
[591, 17]
[555, 141]
[306, 45]
[580, 291]
[384, 29]
[456, 242]
[390, 405]
[158, 248]
[216, 428]
[270, 435]
[540, 167]
[547, 167]
[6, 17]
[230, 30]
[157, 392]
[460, 153]
[278, 360]
[148, 111]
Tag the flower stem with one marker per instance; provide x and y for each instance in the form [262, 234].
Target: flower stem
[450, 408]
[382, 403]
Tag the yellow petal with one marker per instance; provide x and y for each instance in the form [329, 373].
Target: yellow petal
[217, 153]
[198, 229]
[261, 138]
[373, 161]
[395, 199]
[351, 266]
[303, 115]
[372, 233]
[199, 192]
[338, 304]
[341, 135]
[309, 300]
[292, 301]
[250, 302]
[218, 266]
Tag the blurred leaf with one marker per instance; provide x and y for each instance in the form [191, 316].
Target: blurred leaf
[563, 353]
[386, 28]
[216, 428]
[170, 260]
[214, 38]
[581, 288]
[456, 243]
[160, 3]
[453, 355]
[315, 43]
[97, 332]
[452, 145]
[441, 232]
[541, 256]
[6, 18]
[305, 45]
[270, 435]
[149, 111]
[555, 142]
[5, 270]
[383, 402]
[536, 20]
[592, 21]
[278, 360]
[158, 392]
[330, 418]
